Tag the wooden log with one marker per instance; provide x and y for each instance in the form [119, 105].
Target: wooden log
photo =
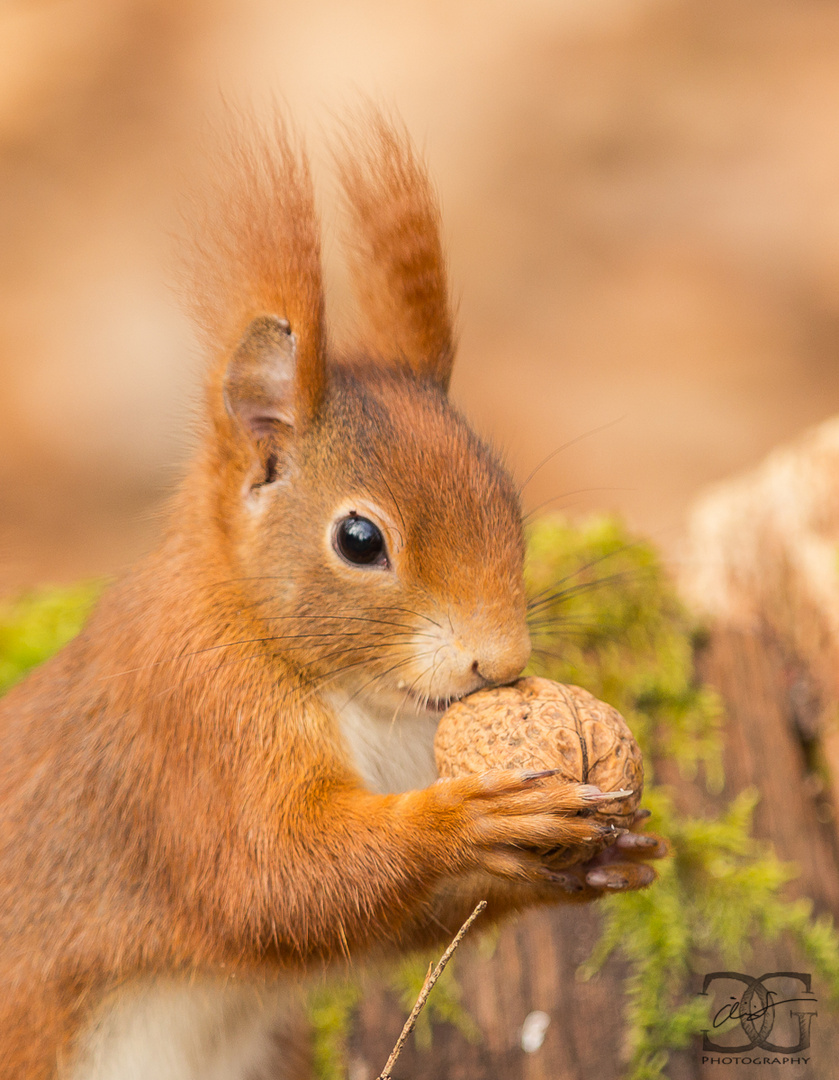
[763, 556]
[763, 750]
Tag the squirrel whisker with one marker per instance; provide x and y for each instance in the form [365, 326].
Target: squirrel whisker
[622, 550]
[582, 587]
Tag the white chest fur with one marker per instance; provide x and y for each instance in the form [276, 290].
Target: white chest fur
[392, 752]
[196, 1030]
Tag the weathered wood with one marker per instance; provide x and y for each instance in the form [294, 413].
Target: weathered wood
[533, 967]
[763, 749]
[762, 555]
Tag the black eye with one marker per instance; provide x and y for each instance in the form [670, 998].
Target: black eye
[360, 542]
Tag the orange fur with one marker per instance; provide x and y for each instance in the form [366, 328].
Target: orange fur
[181, 789]
[256, 250]
[399, 272]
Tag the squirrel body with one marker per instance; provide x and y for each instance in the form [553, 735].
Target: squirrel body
[226, 782]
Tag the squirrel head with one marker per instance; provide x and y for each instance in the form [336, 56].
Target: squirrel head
[375, 538]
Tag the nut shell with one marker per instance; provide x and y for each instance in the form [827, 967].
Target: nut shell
[540, 724]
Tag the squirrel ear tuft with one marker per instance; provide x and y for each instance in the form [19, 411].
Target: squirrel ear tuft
[394, 247]
[259, 383]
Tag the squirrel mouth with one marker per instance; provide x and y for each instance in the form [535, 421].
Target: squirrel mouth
[435, 705]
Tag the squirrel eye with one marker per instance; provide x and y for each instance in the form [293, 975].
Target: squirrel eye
[360, 542]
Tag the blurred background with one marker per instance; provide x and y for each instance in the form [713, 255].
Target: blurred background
[641, 202]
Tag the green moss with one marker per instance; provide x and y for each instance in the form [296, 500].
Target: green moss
[36, 625]
[330, 1010]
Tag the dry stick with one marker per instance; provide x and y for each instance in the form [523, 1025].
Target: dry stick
[430, 979]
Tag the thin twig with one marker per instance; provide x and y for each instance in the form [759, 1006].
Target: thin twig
[430, 979]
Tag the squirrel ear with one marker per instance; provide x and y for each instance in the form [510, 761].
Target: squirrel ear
[394, 248]
[252, 262]
[259, 383]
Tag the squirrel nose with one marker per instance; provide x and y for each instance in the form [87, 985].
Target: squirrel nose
[503, 664]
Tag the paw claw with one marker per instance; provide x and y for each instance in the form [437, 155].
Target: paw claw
[529, 776]
[610, 832]
[591, 793]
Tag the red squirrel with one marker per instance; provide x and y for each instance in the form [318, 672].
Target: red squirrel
[228, 775]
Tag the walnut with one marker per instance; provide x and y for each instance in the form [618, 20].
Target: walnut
[539, 724]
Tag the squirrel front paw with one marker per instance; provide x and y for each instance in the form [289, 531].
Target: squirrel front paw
[509, 818]
[622, 866]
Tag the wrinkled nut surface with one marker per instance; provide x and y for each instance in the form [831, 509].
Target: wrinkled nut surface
[540, 724]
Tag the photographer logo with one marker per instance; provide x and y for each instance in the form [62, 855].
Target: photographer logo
[773, 1011]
